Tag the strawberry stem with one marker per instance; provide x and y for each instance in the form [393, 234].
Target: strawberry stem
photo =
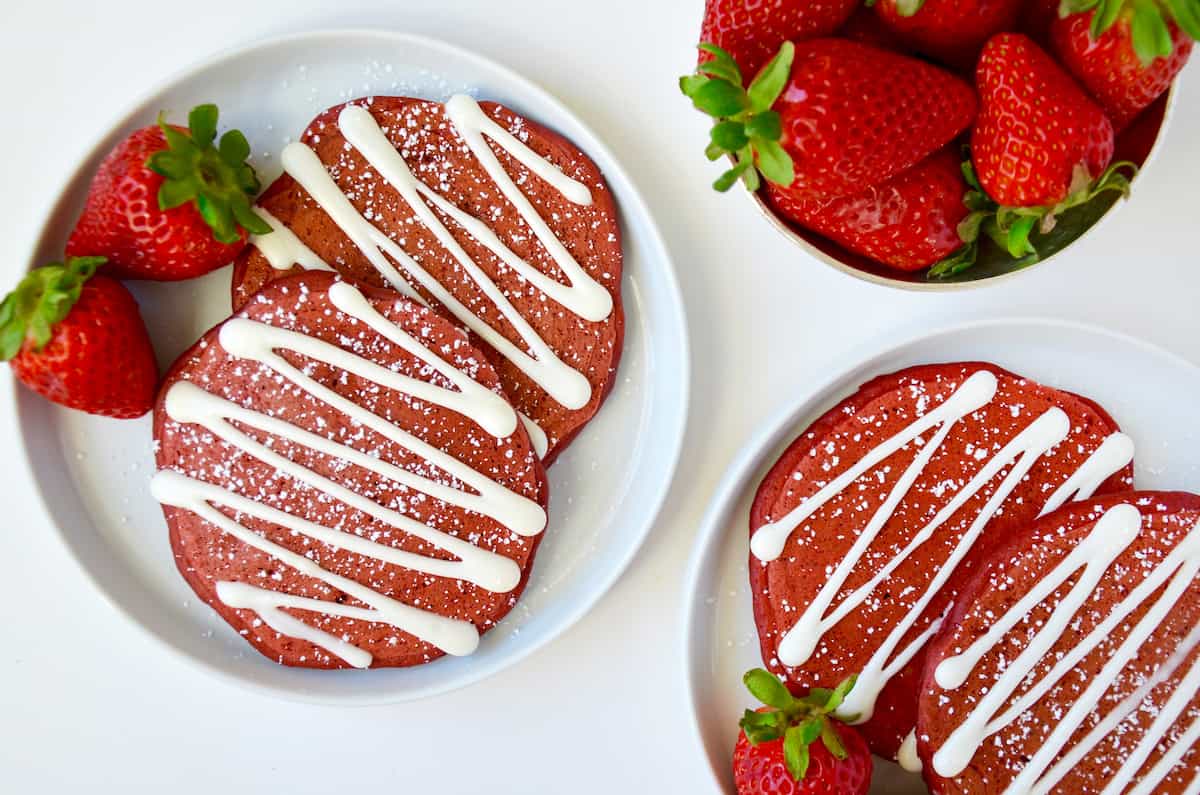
[42, 299]
[745, 128]
[798, 721]
[214, 176]
[1011, 228]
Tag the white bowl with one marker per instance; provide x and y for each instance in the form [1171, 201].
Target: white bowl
[986, 271]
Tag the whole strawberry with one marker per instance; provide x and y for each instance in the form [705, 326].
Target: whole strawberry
[1040, 147]
[78, 339]
[1038, 135]
[828, 117]
[1125, 53]
[751, 31]
[952, 31]
[778, 751]
[907, 222]
[170, 203]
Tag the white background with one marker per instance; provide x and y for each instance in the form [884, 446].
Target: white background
[87, 703]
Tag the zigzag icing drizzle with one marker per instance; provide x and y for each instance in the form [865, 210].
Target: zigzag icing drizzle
[1018, 455]
[1086, 564]
[582, 295]
[259, 342]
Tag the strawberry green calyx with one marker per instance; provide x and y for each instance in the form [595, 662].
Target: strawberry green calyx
[214, 176]
[1010, 228]
[746, 128]
[41, 300]
[1148, 21]
[798, 721]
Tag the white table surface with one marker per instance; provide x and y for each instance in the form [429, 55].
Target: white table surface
[88, 703]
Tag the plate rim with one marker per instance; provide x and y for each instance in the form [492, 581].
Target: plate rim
[748, 459]
[675, 325]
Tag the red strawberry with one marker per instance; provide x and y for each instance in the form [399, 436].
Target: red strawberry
[1123, 76]
[1039, 148]
[907, 222]
[77, 339]
[829, 117]
[777, 752]
[950, 30]
[168, 204]
[752, 30]
[1038, 135]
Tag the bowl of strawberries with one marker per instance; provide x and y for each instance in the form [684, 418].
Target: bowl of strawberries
[934, 144]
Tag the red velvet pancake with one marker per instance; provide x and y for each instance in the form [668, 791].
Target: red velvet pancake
[804, 570]
[1071, 661]
[343, 479]
[433, 150]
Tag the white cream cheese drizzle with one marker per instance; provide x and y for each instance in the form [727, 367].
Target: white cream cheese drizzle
[1112, 534]
[1114, 454]
[188, 403]
[283, 249]
[799, 644]
[583, 295]
[907, 756]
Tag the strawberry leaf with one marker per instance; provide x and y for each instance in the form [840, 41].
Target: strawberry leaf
[214, 178]
[1187, 15]
[767, 688]
[811, 729]
[839, 693]
[959, 261]
[172, 194]
[1017, 233]
[769, 82]
[729, 135]
[730, 177]
[818, 697]
[762, 727]
[690, 84]
[722, 64]
[833, 741]
[795, 753]
[202, 123]
[1149, 31]
[718, 98]
[1105, 17]
[774, 163]
[767, 126]
[234, 148]
[247, 218]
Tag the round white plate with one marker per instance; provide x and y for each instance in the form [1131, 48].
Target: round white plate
[1148, 391]
[606, 489]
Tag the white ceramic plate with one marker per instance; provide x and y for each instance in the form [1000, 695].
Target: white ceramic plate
[1146, 389]
[606, 489]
